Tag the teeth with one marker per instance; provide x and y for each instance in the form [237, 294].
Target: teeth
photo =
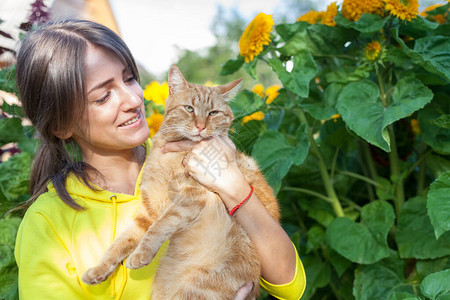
[131, 121]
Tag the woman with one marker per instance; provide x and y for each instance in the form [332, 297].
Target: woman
[78, 83]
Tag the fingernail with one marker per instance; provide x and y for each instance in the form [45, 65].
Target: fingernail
[163, 149]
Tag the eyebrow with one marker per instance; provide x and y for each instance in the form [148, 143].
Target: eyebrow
[106, 82]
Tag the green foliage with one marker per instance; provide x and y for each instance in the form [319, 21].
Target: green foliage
[16, 147]
[357, 146]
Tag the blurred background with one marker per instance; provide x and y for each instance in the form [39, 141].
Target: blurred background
[198, 35]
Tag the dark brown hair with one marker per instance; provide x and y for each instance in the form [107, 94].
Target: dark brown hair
[50, 74]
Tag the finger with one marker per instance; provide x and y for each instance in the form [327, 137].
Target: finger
[178, 146]
[244, 291]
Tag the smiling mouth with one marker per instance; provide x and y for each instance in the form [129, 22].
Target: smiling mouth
[134, 120]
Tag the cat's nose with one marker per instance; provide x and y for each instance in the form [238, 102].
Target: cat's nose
[200, 127]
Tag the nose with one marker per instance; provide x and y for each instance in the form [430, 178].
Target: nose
[200, 126]
[131, 97]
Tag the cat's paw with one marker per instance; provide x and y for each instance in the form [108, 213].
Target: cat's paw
[139, 258]
[96, 275]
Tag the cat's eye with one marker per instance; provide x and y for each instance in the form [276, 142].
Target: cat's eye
[189, 108]
[213, 113]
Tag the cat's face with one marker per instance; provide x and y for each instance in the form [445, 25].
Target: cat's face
[196, 112]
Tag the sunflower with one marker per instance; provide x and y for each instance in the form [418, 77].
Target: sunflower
[312, 17]
[157, 92]
[154, 122]
[330, 13]
[353, 9]
[255, 36]
[254, 116]
[441, 19]
[403, 9]
[373, 50]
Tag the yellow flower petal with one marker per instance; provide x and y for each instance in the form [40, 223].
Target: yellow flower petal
[403, 9]
[335, 117]
[255, 36]
[373, 50]
[441, 19]
[330, 13]
[272, 93]
[154, 123]
[258, 89]
[353, 9]
[254, 116]
[312, 17]
[157, 92]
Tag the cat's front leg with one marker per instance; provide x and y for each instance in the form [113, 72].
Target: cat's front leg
[188, 204]
[117, 252]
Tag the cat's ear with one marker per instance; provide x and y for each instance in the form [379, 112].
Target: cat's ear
[177, 83]
[229, 90]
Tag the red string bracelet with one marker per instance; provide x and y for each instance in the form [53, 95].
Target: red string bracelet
[232, 212]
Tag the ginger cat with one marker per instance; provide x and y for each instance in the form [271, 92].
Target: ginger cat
[209, 255]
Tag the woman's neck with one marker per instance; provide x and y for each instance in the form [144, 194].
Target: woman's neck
[119, 171]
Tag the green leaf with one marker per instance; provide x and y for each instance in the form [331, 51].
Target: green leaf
[322, 109]
[430, 52]
[426, 267]
[347, 74]
[298, 79]
[250, 68]
[11, 130]
[381, 280]
[7, 79]
[365, 242]
[436, 285]
[339, 263]
[232, 66]
[245, 103]
[301, 150]
[287, 31]
[275, 157]
[403, 296]
[316, 237]
[438, 204]
[13, 187]
[9, 283]
[318, 274]
[418, 27]
[436, 137]
[442, 122]
[438, 165]
[318, 38]
[368, 23]
[415, 234]
[362, 110]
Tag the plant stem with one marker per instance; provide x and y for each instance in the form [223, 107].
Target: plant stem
[422, 167]
[399, 197]
[360, 177]
[309, 192]
[395, 172]
[322, 167]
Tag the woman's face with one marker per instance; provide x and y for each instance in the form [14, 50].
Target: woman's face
[115, 110]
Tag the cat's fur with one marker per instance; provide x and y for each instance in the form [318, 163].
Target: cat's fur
[209, 256]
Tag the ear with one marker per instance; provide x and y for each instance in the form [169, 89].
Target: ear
[63, 134]
[229, 90]
[177, 83]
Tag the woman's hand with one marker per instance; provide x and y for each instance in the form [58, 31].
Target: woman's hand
[211, 162]
[244, 291]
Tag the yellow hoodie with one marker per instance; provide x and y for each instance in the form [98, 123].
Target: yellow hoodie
[56, 244]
